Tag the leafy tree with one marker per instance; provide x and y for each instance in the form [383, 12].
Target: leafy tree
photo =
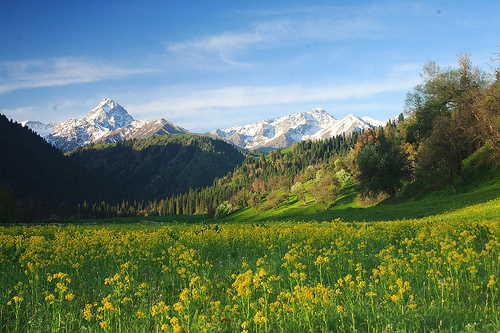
[299, 190]
[280, 183]
[223, 209]
[258, 186]
[275, 198]
[442, 153]
[241, 199]
[442, 120]
[486, 109]
[442, 93]
[254, 201]
[344, 177]
[382, 167]
[328, 188]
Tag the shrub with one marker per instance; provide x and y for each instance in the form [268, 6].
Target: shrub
[224, 209]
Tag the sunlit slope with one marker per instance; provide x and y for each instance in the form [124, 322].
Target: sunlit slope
[477, 198]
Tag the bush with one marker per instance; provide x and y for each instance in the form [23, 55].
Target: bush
[224, 209]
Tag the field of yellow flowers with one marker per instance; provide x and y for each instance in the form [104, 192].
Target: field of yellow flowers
[399, 276]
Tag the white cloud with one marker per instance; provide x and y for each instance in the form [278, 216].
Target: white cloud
[18, 113]
[196, 108]
[275, 33]
[59, 72]
[225, 47]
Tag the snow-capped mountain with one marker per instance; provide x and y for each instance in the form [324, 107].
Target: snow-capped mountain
[107, 116]
[283, 131]
[39, 127]
[349, 124]
[107, 123]
[377, 123]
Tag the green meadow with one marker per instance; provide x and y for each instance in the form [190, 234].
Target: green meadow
[428, 264]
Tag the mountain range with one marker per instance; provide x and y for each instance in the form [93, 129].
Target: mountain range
[281, 132]
[109, 122]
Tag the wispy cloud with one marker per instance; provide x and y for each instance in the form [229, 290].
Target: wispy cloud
[223, 46]
[18, 113]
[242, 96]
[201, 106]
[275, 32]
[24, 74]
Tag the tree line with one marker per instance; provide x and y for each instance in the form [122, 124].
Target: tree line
[259, 176]
[38, 180]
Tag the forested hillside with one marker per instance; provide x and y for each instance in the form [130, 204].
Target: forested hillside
[269, 177]
[160, 167]
[37, 180]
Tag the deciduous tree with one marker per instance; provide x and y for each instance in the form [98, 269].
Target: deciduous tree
[382, 167]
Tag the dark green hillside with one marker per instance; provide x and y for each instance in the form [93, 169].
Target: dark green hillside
[163, 166]
[36, 179]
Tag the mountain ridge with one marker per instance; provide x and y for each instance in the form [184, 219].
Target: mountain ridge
[281, 132]
[109, 122]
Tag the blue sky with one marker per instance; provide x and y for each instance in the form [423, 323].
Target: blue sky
[211, 64]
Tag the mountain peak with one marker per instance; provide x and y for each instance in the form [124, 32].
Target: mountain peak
[108, 122]
[277, 132]
[107, 104]
[109, 114]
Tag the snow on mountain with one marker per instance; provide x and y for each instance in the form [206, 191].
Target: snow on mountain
[107, 116]
[349, 124]
[375, 123]
[281, 132]
[39, 127]
[277, 132]
[109, 122]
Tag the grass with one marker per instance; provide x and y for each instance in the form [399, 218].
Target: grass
[403, 275]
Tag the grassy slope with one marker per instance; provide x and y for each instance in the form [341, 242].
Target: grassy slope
[477, 198]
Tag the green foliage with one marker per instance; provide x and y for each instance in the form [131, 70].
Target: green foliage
[162, 166]
[343, 177]
[476, 199]
[223, 209]
[382, 166]
[486, 109]
[443, 119]
[444, 92]
[299, 189]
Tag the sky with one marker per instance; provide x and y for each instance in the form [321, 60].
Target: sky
[212, 64]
